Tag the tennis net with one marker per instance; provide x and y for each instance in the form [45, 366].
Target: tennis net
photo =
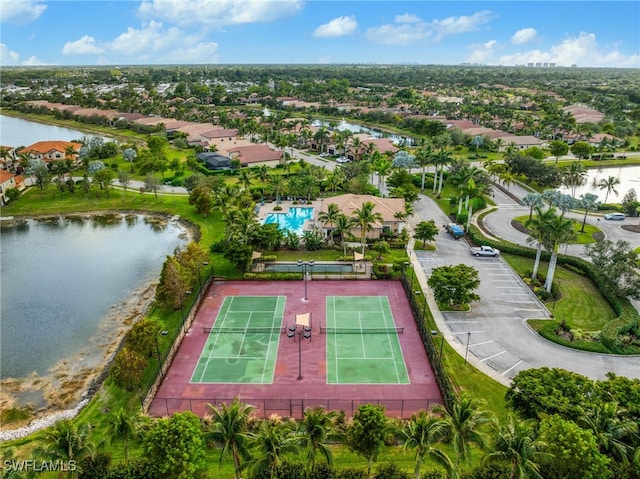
[223, 330]
[325, 330]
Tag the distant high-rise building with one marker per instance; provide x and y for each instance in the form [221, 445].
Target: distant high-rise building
[552, 65]
[538, 64]
[530, 64]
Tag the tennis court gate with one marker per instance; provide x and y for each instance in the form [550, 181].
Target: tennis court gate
[294, 408]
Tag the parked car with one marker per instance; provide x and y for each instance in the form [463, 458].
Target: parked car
[343, 159]
[614, 216]
[485, 251]
[455, 230]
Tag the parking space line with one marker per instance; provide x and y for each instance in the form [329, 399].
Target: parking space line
[515, 365]
[480, 344]
[493, 356]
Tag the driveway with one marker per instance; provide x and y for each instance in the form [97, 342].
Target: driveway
[500, 342]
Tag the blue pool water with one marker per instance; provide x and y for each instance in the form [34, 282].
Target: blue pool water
[293, 220]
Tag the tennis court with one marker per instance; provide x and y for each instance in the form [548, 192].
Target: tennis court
[362, 342]
[243, 342]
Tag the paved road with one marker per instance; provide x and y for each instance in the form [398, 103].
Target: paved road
[501, 343]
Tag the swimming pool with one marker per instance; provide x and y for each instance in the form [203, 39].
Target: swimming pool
[292, 220]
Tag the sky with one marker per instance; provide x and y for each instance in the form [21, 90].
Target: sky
[128, 32]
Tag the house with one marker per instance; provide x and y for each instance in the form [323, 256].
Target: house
[214, 161]
[8, 181]
[521, 142]
[387, 207]
[252, 154]
[53, 151]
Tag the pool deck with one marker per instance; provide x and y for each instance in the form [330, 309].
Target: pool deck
[268, 208]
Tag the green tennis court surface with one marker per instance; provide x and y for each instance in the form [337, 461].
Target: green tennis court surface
[362, 342]
[243, 343]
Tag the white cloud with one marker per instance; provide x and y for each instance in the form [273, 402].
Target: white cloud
[407, 18]
[33, 61]
[463, 24]
[21, 12]
[84, 46]
[409, 28]
[217, 13]
[582, 50]
[338, 27]
[7, 56]
[324, 60]
[482, 53]
[524, 35]
[153, 43]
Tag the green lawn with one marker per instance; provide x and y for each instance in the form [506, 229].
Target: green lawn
[580, 305]
[583, 237]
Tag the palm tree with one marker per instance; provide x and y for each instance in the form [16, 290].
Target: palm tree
[271, 443]
[330, 216]
[424, 156]
[558, 231]
[537, 227]
[382, 166]
[245, 179]
[421, 432]
[315, 429]
[123, 426]
[609, 184]
[321, 137]
[364, 217]
[230, 428]
[589, 202]
[574, 176]
[532, 200]
[343, 227]
[277, 183]
[262, 173]
[464, 423]
[517, 445]
[441, 159]
[611, 428]
[65, 442]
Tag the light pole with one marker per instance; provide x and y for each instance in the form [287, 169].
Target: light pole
[305, 265]
[164, 333]
[467, 350]
[302, 332]
[205, 263]
[184, 293]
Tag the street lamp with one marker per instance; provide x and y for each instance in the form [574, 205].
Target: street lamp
[184, 293]
[305, 265]
[164, 333]
[467, 350]
[302, 332]
[205, 263]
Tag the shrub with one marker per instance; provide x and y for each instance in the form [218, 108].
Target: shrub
[127, 369]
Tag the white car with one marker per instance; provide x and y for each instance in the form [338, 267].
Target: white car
[614, 216]
[343, 159]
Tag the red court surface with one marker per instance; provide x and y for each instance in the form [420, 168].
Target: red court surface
[288, 396]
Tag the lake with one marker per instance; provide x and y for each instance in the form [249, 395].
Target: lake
[355, 128]
[629, 177]
[66, 283]
[18, 132]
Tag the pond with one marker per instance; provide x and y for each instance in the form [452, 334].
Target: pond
[18, 132]
[70, 284]
[355, 128]
[629, 177]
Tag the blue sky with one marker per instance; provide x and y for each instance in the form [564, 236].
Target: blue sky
[127, 32]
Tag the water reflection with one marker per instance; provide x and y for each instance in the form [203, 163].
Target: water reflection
[68, 275]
